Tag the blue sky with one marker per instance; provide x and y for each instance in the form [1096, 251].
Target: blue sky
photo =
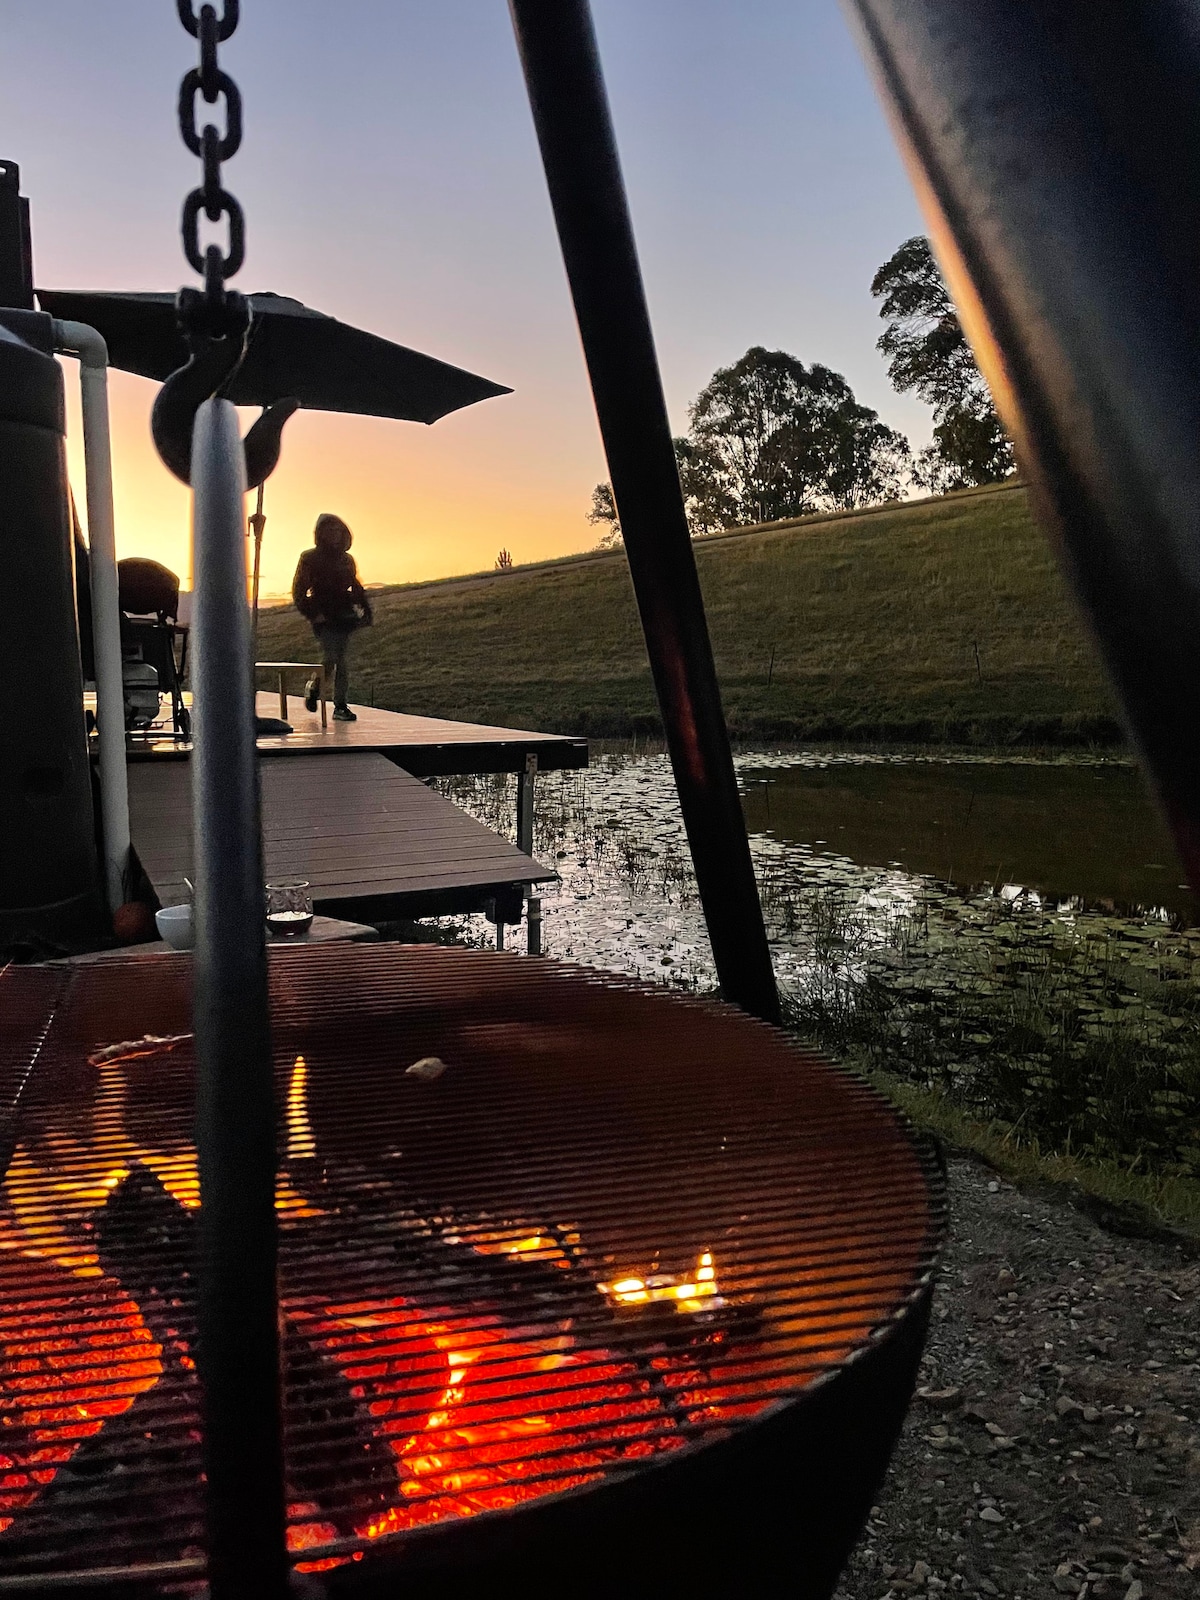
[390, 177]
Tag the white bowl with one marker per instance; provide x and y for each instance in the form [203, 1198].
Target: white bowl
[174, 924]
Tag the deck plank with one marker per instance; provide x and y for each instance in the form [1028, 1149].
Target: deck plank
[357, 828]
[423, 746]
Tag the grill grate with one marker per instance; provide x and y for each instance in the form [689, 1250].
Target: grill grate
[617, 1225]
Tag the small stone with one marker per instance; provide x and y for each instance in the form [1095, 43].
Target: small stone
[941, 1399]
[1135, 1590]
[427, 1069]
[1092, 1413]
[988, 1514]
[1065, 1406]
[921, 1572]
[993, 1187]
[988, 1586]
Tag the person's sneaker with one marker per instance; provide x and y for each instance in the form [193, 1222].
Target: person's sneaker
[343, 714]
[312, 690]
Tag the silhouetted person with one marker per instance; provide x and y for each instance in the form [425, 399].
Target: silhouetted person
[326, 590]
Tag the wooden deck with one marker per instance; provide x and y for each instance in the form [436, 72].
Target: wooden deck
[369, 837]
[426, 747]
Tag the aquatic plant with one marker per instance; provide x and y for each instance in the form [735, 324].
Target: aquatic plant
[1079, 1031]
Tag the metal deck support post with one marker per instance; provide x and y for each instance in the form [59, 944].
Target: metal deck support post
[1054, 150]
[574, 128]
[239, 1351]
[525, 789]
[526, 785]
[533, 925]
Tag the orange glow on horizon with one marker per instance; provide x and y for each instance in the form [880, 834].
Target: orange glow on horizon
[422, 502]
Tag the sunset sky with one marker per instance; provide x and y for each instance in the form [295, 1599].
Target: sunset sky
[390, 177]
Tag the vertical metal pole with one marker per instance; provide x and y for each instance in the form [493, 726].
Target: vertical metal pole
[16, 262]
[77, 338]
[525, 802]
[525, 788]
[574, 129]
[257, 523]
[239, 1351]
[1054, 151]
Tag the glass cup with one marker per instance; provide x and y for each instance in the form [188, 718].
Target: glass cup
[289, 909]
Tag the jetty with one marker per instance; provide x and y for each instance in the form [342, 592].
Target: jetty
[348, 808]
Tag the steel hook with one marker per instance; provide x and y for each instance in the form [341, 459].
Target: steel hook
[209, 368]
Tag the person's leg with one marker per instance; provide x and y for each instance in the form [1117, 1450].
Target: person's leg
[312, 689]
[341, 673]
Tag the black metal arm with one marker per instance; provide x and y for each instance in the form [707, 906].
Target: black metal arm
[574, 128]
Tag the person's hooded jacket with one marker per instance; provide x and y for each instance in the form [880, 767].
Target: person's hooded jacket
[326, 586]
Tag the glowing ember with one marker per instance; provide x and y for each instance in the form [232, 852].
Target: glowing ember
[476, 1416]
[685, 1295]
[70, 1362]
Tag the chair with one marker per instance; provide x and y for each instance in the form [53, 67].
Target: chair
[150, 631]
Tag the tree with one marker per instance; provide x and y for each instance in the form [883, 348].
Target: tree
[780, 439]
[771, 438]
[604, 516]
[701, 496]
[928, 354]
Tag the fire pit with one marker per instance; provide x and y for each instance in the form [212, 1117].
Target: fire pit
[586, 1288]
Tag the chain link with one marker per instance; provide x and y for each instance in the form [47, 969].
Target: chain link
[226, 25]
[213, 147]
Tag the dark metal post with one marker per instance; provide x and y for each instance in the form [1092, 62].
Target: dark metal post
[1055, 150]
[16, 262]
[574, 129]
[525, 792]
[239, 1351]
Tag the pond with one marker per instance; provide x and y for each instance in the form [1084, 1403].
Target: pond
[1009, 930]
[1071, 830]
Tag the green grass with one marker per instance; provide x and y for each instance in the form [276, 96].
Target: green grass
[1118, 1192]
[874, 620]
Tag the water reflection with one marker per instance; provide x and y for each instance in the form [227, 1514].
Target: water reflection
[897, 866]
[1083, 835]
[1010, 931]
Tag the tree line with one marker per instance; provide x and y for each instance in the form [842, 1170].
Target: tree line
[769, 438]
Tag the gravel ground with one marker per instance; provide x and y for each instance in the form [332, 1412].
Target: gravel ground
[1053, 1448]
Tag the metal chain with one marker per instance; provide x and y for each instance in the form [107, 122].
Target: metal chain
[213, 147]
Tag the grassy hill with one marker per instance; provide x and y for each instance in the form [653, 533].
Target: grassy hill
[940, 620]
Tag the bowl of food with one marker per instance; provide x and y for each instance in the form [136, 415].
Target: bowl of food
[174, 924]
